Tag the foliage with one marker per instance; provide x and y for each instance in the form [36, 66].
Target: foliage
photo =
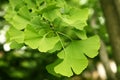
[24, 65]
[53, 26]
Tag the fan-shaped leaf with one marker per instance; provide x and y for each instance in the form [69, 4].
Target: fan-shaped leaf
[74, 56]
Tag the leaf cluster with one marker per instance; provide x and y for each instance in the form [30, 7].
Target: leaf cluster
[52, 26]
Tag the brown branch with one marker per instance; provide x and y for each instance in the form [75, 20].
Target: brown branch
[117, 6]
[105, 60]
[113, 26]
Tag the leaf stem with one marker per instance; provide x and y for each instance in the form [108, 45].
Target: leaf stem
[47, 33]
[65, 36]
[61, 42]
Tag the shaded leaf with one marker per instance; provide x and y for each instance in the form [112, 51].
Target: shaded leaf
[50, 68]
[15, 45]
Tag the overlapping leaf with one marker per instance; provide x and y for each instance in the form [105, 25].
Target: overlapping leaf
[19, 20]
[50, 12]
[39, 40]
[76, 18]
[18, 14]
[16, 35]
[49, 26]
[15, 45]
[16, 4]
[73, 56]
[80, 33]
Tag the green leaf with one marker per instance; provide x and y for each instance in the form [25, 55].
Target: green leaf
[18, 22]
[19, 19]
[9, 15]
[30, 3]
[53, 26]
[37, 22]
[50, 68]
[39, 2]
[51, 15]
[80, 33]
[49, 7]
[47, 43]
[16, 35]
[16, 4]
[39, 40]
[76, 18]
[50, 12]
[91, 50]
[32, 37]
[24, 13]
[15, 45]
[74, 58]
[57, 47]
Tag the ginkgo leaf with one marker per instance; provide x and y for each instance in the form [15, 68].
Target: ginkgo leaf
[32, 37]
[19, 22]
[57, 47]
[76, 18]
[16, 35]
[73, 56]
[80, 33]
[39, 2]
[64, 68]
[23, 11]
[39, 40]
[49, 7]
[53, 26]
[16, 20]
[51, 15]
[30, 3]
[50, 12]
[15, 45]
[16, 4]
[19, 19]
[50, 67]
[37, 22]
[91, 50]
[47, 43]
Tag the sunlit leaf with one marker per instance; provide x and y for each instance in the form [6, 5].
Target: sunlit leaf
[16, 35]
[16, 4]
[73, 56]
[32, 37]
[50, 12]
[30, 3]
[38, 40]
[80, 33]
[52, 26]
[23, 11]
[47, 43]
[76, 18]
